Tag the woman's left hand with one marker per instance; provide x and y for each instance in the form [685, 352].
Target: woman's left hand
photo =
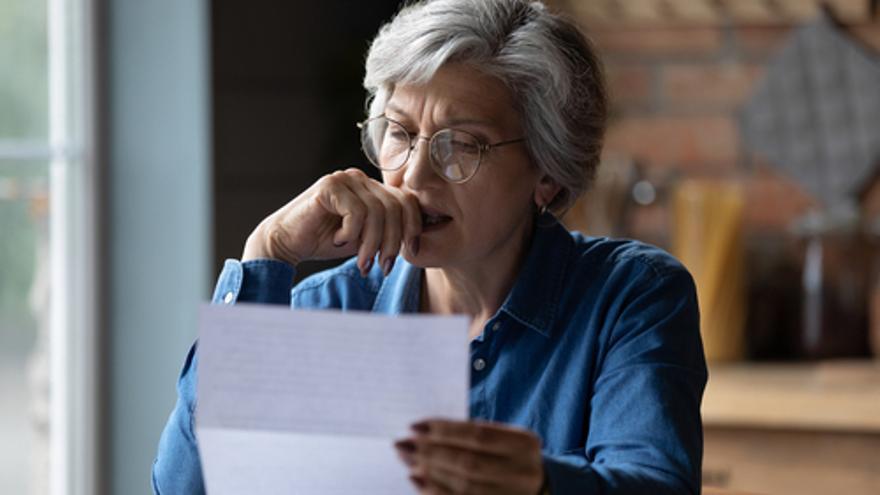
[464, 457]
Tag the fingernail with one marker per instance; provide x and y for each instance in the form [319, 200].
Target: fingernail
[421, 427]
[366, 268]
[387, 265]
[414, 246]
[407, 458]
[407, 446]
[419, 482]
[339, 244]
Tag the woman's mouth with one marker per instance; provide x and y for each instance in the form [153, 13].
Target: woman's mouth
[433, 220]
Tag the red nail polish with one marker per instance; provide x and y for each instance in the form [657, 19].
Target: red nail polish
[406, 445]
[421, 427]
[414, 246]
[387, 265]
[419, 482]
[407, 459]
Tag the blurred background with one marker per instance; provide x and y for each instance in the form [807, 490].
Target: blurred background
[141, 142]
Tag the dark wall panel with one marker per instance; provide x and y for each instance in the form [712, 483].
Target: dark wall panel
[286, 82]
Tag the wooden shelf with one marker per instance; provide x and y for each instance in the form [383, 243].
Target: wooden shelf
[829, 396]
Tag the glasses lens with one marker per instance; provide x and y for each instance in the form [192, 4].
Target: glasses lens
[456, 154]
[386, 143]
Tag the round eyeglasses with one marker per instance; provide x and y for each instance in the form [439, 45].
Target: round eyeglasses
[455, 155]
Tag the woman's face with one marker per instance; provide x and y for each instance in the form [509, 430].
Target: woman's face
[487, 217]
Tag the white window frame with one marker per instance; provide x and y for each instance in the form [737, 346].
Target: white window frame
[73, 241]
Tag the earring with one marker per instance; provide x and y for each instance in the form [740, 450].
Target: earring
[542, 210]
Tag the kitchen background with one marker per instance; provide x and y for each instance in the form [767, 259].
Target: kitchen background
[745, 139]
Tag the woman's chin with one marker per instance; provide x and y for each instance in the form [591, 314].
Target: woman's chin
[422, 260]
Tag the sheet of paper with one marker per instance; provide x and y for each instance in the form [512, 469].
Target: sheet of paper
[310, 401]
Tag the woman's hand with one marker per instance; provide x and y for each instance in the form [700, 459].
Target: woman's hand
[342, 214]
[463, 457]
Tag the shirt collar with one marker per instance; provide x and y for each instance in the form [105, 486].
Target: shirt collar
[537, 292]
[535, 296]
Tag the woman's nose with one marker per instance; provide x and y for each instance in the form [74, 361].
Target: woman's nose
[418, 169]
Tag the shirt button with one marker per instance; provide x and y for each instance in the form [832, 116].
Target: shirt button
[479, 364]
[496, 326]
[228, 298]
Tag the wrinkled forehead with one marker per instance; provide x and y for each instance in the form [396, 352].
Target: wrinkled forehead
[455, 92]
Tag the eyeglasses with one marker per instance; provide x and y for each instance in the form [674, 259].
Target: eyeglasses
[455, 155]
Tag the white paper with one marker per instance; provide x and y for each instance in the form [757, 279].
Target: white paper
[310, 402]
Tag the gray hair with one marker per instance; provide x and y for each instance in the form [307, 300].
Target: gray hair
[550, 68]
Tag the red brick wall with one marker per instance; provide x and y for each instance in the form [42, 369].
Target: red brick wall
[675, 93]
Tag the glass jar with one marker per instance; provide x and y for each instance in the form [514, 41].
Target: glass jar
[836, 260]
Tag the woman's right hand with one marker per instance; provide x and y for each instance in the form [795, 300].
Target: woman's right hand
[342, 214]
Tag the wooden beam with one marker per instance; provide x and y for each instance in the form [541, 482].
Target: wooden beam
[643, 10]
[673, 13]
[701, 11]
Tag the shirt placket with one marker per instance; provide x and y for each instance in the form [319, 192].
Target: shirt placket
[482, 355]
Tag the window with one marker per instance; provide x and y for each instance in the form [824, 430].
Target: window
[47, 246]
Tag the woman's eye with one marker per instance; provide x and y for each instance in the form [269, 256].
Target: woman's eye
[464, 147]
[398, 135]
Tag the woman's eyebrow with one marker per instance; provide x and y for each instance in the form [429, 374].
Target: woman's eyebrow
[450, 122]
[396, 109]
[456, 121]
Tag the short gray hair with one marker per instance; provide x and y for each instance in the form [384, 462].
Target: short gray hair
[549, 66]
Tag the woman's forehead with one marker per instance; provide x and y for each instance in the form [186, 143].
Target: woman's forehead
[455, 93]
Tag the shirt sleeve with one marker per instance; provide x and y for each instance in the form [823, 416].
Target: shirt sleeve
[177, 468]
[254, 281]
[645, 434]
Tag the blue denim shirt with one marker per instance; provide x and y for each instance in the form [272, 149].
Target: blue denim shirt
[596, 349]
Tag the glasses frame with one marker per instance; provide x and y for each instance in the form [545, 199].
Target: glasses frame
[414, 140]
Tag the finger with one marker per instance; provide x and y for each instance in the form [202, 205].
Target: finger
[412, 216]
[419, 483]
[393, 224]
[435, 487]
[471, 464]
[494, 438]
[446, 481]
[338, 198]
[406, 450]
[373, 230]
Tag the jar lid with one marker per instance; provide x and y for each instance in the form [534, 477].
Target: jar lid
[842, 219]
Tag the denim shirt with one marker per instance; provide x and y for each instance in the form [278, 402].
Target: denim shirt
[596, 349]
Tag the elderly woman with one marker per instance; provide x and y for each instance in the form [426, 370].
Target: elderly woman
[486, 118]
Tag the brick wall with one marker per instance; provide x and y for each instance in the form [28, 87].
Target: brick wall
[675, 94]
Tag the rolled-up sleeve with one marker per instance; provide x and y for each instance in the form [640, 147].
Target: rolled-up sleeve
[177, 467]
[645, 433]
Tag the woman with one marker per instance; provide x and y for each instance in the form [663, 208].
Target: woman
[587, 366]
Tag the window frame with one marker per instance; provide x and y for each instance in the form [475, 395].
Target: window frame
[74, 193]
[70, 152]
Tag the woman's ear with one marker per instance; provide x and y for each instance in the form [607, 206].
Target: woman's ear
[545, 191]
